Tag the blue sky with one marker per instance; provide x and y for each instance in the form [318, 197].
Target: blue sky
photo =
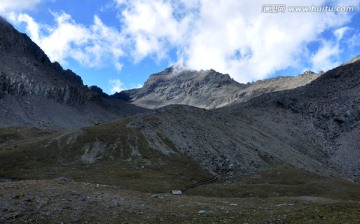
[117, 44]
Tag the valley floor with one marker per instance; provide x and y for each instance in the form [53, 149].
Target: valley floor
[63, 200]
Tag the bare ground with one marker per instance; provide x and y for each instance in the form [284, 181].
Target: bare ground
[64, 201]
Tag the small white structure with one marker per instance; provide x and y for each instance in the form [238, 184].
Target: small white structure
[176, 192]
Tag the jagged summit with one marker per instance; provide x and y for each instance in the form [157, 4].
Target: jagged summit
[181, 85]
[208, 89]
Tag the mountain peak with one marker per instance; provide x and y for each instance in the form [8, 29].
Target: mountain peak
[179, 67]
[208, 89]
[179, 84]
[173, 70]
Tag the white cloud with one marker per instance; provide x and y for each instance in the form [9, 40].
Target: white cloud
[116, 86]
[339, 33]
[153, 27]
[93, 46]
[61, 41]
[230, 36]
[32, 27]
[138, 86]
[7, 6]
[118, 66]
[250, 45]
[325, 58]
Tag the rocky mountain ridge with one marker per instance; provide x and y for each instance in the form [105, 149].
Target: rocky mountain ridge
[178, 85]
[36, 92]
[206, 89]
[34, 74]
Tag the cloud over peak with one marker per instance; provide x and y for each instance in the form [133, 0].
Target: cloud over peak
[231, 36]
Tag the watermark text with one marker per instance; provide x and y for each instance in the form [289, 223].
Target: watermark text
[282, 8]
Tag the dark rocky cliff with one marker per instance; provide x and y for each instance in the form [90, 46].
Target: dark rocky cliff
[26, 70]
[36, 92]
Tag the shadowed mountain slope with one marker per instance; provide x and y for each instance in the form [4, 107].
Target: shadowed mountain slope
[36, 92]
[320, 119]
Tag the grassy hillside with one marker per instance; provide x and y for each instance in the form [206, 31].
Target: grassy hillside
[34, 154]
